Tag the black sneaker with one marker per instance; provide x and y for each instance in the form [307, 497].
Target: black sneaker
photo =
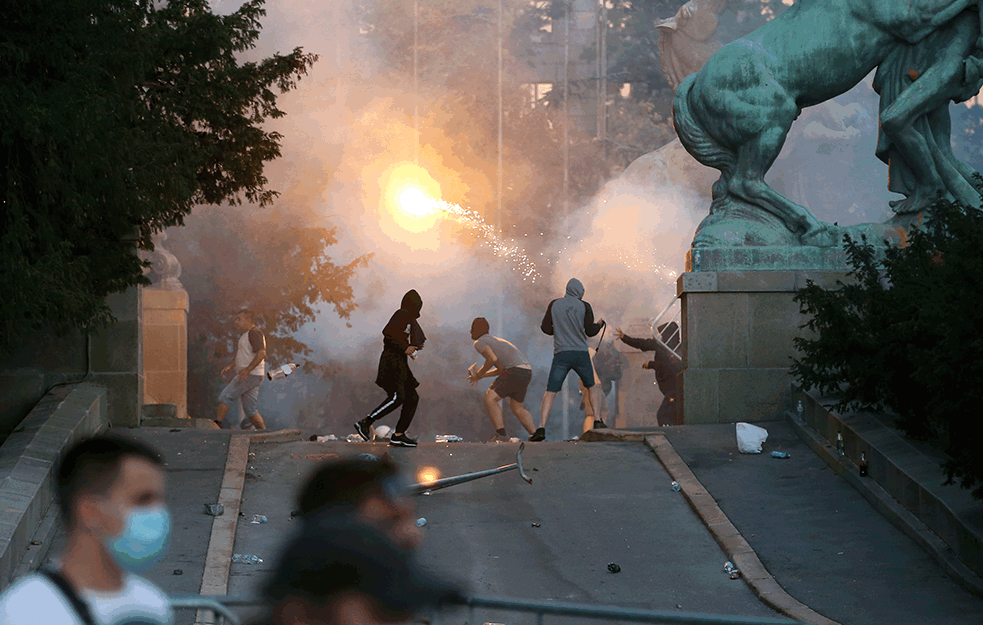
[599, 425]
[538, 435]
[401, 440]
[363, 429]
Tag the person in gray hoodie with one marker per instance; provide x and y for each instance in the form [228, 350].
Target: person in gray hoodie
[569, 320]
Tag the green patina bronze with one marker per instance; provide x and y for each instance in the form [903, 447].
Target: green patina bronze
[734, 114]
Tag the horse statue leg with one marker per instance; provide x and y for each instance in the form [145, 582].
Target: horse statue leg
[755, 120]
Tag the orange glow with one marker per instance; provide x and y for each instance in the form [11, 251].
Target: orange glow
[409, 197]
[427, 475]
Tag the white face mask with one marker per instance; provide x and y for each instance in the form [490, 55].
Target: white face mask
[144, 538]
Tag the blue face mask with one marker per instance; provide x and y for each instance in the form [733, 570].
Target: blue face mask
[144, 538]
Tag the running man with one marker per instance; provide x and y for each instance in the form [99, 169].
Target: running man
[513, 371]
[569, 320]
[402, 337]
[250, 366]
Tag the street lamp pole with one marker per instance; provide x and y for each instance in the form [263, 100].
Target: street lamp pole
[416, 85]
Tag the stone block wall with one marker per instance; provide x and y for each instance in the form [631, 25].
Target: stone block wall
[738, 330]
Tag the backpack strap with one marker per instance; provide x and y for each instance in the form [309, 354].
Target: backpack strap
[81, 607]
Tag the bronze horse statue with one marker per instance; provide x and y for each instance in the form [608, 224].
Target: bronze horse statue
[735, 113]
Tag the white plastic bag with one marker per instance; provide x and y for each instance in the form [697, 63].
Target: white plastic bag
[750, 437]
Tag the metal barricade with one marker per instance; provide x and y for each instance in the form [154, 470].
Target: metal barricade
[664, 317]
[214, 609]
[217, 610]
[592, 613]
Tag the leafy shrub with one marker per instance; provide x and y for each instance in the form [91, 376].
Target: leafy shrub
[906, 336]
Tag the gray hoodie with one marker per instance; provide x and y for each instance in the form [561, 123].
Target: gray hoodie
[570, 320]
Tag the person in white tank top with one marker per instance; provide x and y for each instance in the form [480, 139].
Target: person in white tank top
[250, 366]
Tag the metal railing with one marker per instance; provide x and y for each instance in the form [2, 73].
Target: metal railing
[675, 317]
[216, 609]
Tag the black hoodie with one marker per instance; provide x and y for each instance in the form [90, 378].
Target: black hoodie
[402, 329]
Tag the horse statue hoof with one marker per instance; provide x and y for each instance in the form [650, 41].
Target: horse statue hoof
[824, 235]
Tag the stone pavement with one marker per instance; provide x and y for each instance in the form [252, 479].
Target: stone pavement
[819, 538]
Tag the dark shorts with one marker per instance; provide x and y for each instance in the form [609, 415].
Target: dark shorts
[563, 362]
[513, 384]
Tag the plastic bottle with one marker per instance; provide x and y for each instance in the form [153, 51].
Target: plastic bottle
[779, 454]
[675, 486]
[282, 372]
[863, 464]
[839, 444]
[244, 559]
[258, 518]
[448, 438]
[799, 409]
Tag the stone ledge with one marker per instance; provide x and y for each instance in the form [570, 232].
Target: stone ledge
[888, 504]
[27, 490]
[612, 436]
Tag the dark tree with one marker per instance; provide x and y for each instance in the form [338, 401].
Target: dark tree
[904, 337]
[116, 118]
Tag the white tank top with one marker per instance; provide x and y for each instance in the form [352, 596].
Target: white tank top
[245, 355]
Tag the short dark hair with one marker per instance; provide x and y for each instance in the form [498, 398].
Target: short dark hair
[93, 465]
[248, 314]
[344, 484]
[481, 324]
[326, 560]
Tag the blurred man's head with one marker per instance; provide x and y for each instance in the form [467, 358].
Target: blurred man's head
[370, 490]
[111, 490]
[479, 328]
[350, 574]
[245, 319]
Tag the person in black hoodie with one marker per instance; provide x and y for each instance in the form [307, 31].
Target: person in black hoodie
[666, 366]
[402, 337]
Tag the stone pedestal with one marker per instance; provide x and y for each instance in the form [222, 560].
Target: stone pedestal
[165, 348]
[738, 328]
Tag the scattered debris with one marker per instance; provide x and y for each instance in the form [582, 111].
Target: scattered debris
[425, 493]
[258, 519]
[515, 439]
[731, 570]
[535, 525]
[449, 438]
[175, 429]
[750, 437]
[421, 522]
[779, 454]
[675, 486]
[214, 509]
[178, 572]
[35, 542]
[614, 568]
[354, 438]
[239, 558]
[323, 439]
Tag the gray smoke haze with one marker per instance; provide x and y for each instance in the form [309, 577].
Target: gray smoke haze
[345, 131]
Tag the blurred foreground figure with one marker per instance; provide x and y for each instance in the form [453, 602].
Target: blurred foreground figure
[569, 320]
[513, 371]
[352, 575]
[111, 493]
[402, 337]
[371, 492]
[250, 367]
[666, 366]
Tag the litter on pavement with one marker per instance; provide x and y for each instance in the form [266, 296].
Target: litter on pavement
[614, 568]
[214, 509]
[257, 519]
[750, 437]
[239, 558]
[421, 522]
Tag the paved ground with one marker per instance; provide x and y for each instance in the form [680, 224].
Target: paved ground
[821, 540]
[595, 503]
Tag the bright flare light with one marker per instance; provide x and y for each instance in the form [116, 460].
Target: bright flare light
[414, 202]
[412, 197]
[427, 475]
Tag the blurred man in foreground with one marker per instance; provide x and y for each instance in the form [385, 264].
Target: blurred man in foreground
[111, 493]
[513, 371]
[367, 491]
[352, 575]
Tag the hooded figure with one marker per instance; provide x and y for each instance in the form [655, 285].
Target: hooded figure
[402, 337]
[667, 366]
[569, 320]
